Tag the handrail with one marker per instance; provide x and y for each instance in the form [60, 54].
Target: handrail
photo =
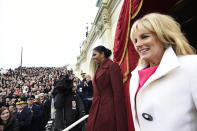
[76, 123]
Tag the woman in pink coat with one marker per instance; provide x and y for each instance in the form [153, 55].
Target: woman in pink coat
[108, 112]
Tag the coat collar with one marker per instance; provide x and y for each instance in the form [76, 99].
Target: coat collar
[102, 67]
[168, 63]
[105, 63]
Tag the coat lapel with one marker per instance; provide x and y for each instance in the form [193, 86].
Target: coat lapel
[103, 68]
[134, 83]
[168, 63]
[100, 73]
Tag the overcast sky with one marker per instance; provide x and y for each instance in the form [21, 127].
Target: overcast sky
[50, 31]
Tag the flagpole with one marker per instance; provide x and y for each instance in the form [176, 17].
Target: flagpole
[21, 56]
[21, 60]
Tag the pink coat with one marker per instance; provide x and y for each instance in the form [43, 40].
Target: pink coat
[108, 111]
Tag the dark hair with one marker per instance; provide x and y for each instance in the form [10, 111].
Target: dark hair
[101, 49]
[3, 108]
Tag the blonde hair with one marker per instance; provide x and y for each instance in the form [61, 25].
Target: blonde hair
[166, 29]
[88, 76]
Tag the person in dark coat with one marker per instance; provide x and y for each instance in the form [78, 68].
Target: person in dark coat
[45, 109]
[74, 109]
[63, 87]
[7, 121]
[24, 116]
[36, 114]
[108, 110]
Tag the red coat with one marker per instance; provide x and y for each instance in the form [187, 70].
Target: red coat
[108, 111]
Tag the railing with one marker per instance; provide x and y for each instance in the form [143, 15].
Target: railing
[76, 123]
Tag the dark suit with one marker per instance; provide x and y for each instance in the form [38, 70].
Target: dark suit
[108, 111]
[24, 118]
[45, 107]
[36, 115]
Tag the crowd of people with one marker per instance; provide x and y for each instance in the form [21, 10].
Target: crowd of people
[26, 95]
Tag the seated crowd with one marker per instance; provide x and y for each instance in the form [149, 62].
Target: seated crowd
[26, 94]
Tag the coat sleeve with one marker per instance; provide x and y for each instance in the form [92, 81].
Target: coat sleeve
[80, 106]
[119, 99]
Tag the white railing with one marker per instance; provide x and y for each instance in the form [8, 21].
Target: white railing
[76, 123]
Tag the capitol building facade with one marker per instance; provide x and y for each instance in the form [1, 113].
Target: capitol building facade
[102, 32]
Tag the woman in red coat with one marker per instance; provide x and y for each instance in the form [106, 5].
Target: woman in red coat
[108, 112]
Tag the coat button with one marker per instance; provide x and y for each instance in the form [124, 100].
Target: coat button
[147, 116]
